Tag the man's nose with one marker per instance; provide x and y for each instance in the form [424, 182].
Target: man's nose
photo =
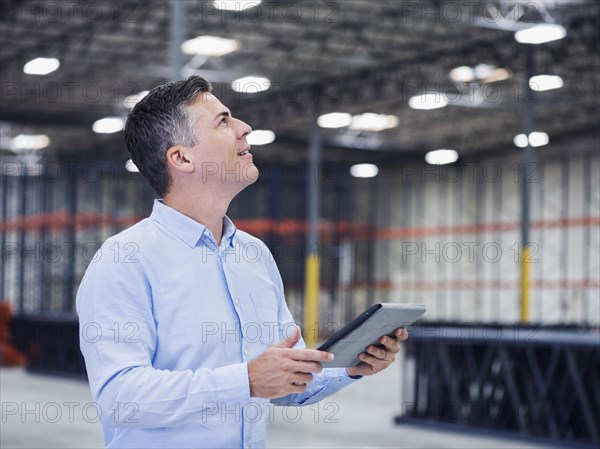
[244, 129]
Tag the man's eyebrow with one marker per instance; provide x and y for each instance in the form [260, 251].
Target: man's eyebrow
[222, 114]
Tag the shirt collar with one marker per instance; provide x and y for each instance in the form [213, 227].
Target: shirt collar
[186, 228]
[229, 231]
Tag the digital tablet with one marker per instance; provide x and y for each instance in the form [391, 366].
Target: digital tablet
[378, 320]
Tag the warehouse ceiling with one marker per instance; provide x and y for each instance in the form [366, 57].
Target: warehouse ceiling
[355, 56]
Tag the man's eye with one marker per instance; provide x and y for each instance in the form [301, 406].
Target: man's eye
[224, 120]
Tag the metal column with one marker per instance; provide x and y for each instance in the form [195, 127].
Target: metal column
[312, 261]
[526, 185]
[178, 30]
[4, 234]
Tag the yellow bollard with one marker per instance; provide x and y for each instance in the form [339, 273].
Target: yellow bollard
[525, 283]
[311, 300]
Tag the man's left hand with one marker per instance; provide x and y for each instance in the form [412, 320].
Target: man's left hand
[375, 359]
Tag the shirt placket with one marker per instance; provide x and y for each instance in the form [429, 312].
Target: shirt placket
[225, 252]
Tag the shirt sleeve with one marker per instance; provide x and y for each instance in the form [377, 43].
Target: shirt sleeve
[118, 341]
[324, 384]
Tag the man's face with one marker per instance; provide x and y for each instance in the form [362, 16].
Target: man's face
[221, 154]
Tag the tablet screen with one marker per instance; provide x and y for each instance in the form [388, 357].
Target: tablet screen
[378, 320]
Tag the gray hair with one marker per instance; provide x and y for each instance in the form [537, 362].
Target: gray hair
[159, 121]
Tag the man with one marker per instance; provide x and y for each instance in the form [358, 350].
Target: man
[184, 326]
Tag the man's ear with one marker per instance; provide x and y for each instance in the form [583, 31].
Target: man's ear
[179, 158]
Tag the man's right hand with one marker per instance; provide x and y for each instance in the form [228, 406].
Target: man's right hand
[282, 370]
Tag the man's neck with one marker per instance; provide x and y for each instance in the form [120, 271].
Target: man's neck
[208, 211]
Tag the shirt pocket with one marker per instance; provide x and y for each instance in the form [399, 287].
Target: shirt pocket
[265, 327]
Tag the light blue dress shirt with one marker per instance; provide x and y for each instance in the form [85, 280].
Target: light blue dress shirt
[168, 322]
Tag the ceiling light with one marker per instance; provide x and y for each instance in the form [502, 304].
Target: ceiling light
[498, 74]
[482, 72]
[373, 122]
[108, 125]
[335, 120]
[441, 157]
[427, 101]
[131, 167]
[236, 5]
[131, 100]
[29, 142]
[364, 170]
[251, 84]
[539, 34]
[520, 140]
[462, 74]
[260, 137]
[209, 46]
[41, 66]
[536, 139]
[540, 83]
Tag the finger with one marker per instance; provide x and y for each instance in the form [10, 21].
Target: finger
[302, 378]
[291, 340]
[297, 388]
[307, 367]
[380, 353]
[310, 355]
[388, 356]
[391, 344]
[376, 363]
[401, 333]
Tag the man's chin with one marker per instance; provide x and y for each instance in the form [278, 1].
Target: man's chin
[251, 174]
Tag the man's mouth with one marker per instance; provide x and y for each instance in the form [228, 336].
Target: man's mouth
[244, 152]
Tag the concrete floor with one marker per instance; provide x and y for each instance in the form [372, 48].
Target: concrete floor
[48, 412]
